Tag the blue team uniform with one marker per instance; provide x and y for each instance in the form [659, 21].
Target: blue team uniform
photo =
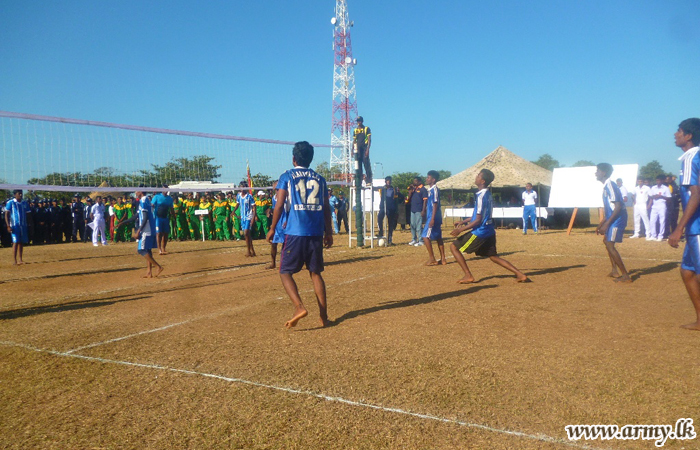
[482, 239]
[162, 203]
[303, 243]
[246, 205]
[147, 241]
[436, 231]
[690, 176]
[18, 220]
[611, 194]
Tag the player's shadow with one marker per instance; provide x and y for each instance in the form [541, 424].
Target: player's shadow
[531, 273]
[211, 269]
[352, 260]
[73, 274]
[661, 268]
[409, 302]
[69, 306]
[86, 257]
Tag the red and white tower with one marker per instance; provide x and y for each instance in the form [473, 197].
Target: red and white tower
[344, 100]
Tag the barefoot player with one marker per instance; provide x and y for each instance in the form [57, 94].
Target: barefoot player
[304, 194]
[688, 138]
[433, 223]
[278, 237]
[16, 220]
[146, 234]
[246, 205]
[481, 236]
[613, 227]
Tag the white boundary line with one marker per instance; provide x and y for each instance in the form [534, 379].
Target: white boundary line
[538, 437]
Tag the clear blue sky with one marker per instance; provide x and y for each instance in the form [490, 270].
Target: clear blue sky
[441, 84]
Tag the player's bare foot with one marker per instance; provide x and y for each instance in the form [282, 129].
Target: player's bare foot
[270, 266]
[431, 263]
[466, 280]
[623, 279]
[160, 269]
[247, 255]
[695, 326]
[523, 280]
[298, 315]
[164, 253]
[324, 322]
[253, 254]
[613, 274]
[443, 262]
[148, 275]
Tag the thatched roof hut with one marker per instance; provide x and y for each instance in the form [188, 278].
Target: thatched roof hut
[510, 169]
[104, 194]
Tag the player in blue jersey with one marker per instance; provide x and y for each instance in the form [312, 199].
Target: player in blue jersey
[433, 222]
[278, 237]
[688, 138]
[481, 236]
[146, 234]
[16, 220]
[162, 207]
[303, 194]
[246, 205]
[613, 227]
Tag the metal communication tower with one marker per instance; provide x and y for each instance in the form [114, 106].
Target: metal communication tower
[344, 100]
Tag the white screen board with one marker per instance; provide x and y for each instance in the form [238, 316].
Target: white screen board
[577, 187]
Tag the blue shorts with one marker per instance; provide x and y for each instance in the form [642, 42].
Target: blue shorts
[146, 243]
[300, 250]
[162, 225]
[614, 233]
[245, 224]
[691, 254]
[432, 233]
[20, 235]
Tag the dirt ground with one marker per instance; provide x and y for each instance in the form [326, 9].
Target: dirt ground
[92, 356]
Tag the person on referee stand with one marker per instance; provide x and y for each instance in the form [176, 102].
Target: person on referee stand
[363, 141]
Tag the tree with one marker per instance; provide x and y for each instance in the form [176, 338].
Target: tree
[402, 180]
[651, 170]
[329, 173]
[547, 161]
[444, 174]
[197, 168]
[583, 163]
[260, 180]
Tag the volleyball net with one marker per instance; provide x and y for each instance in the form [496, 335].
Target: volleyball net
[43, 153]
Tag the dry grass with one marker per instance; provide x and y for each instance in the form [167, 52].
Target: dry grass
[572, 347]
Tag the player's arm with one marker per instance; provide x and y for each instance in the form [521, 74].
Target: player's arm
[690, 209]
[328, 235]
[277, 213]
[466, 225]
[369, 142]
[7, 221]
[425, 203]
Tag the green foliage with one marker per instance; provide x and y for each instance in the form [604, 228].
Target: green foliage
[330, 174]
[444, 174]
[260, 180]
[651, 170]
[583, 163]
[403, 179]
[547, 161]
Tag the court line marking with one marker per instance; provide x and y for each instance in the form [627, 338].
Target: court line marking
[538, 437]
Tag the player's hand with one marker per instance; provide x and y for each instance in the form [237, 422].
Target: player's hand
[675, 238]
[328, 240]
[458, 230]
[270, 235]
[432, 222]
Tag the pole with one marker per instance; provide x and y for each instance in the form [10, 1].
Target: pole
[537, 216]
[359, 213]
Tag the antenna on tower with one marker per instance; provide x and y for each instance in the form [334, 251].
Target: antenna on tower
[344, 99]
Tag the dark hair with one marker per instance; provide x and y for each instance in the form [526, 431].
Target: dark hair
[661, 176]
[435, 174]
[487, 176]
[303, 153]
[606, 168]
[691, 126]
[16, 191]
[420, 180]
[388, 178]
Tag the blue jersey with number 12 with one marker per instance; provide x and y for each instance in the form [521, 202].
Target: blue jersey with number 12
[306, 195]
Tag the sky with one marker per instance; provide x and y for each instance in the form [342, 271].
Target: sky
[440, 84]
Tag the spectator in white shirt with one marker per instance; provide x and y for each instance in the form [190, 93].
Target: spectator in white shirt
[529, 201]
[658, 196]
[641, 213]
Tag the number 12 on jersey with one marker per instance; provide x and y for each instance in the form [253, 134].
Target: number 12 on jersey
[308, 194]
